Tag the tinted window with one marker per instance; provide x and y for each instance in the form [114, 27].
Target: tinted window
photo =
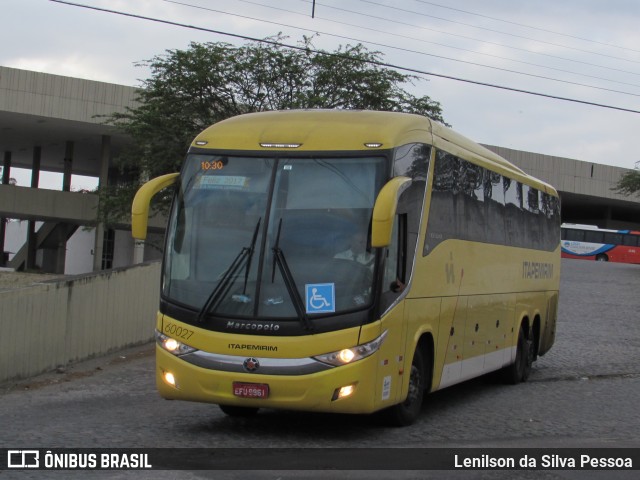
[512, 210]
[494, 207]
[593, 237]
[469, 202]
[613, 238]
[573, 235]
[412, 160]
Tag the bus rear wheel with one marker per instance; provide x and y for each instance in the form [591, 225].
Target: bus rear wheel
[602, 258]
[234, 411]
[407, 412]
[520, 369]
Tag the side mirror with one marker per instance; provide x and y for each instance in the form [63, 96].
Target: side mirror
[142, 200]
[384, 211]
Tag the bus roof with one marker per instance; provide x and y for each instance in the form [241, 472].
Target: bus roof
[349, 130]
[582, 226]
[595, 228]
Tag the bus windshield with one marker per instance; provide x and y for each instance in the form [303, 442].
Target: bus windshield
[267, 237]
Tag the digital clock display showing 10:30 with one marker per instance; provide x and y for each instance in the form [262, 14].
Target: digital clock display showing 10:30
[213, 165]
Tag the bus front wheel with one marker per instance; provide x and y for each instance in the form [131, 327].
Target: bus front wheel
[407, 412]
[602, 258]
[520, 369]
[234, 411]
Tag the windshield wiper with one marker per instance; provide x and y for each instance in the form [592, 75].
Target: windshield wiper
[289, 282]
[250, 256]
[224, 284]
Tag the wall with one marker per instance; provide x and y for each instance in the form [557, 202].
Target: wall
[38, 204]
[57, 322]
[568, 175]
[76, 99]
[79, 258]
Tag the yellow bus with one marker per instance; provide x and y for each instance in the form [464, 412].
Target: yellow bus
[348, 261]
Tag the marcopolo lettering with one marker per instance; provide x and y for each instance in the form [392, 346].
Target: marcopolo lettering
[254, 326]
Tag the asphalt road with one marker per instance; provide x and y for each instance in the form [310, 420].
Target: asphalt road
[584, 393]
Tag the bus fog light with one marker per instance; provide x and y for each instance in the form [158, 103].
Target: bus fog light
[169, 378]
[343, 392]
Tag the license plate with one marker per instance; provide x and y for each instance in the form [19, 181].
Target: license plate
[250, 390]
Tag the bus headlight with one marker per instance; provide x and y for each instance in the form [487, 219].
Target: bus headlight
[350, 355]
[172, 345]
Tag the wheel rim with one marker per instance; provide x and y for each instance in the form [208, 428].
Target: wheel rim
[415, 382]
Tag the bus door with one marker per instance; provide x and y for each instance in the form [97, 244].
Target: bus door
[410, 162]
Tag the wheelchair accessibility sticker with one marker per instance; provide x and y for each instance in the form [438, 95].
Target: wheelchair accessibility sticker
[321, 297]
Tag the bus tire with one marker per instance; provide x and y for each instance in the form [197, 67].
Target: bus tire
[602, 258]
[234, 411]
[520, 369]
[407, 412]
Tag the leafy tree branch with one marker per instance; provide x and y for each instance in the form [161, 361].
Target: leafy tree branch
[189, 90]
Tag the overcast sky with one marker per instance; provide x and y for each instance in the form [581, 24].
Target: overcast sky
[586, 50]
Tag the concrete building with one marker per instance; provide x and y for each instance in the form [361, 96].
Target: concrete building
[585, 188]
[53, 123]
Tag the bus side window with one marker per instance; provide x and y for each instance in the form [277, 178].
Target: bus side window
[397, 285]
[593, 237]
[630, 240]
[402, 251]
[573, 235]
[613, 238]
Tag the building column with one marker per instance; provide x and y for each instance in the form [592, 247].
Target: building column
[105, 156]
[6, 176]
[68, 163]
[61, 252]
[58, 255]
[31, 231]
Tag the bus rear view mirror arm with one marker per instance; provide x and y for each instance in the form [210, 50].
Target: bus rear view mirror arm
[142, 200]
[384, 211]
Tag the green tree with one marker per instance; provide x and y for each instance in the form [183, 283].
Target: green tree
[629, 183]
[188, 90]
